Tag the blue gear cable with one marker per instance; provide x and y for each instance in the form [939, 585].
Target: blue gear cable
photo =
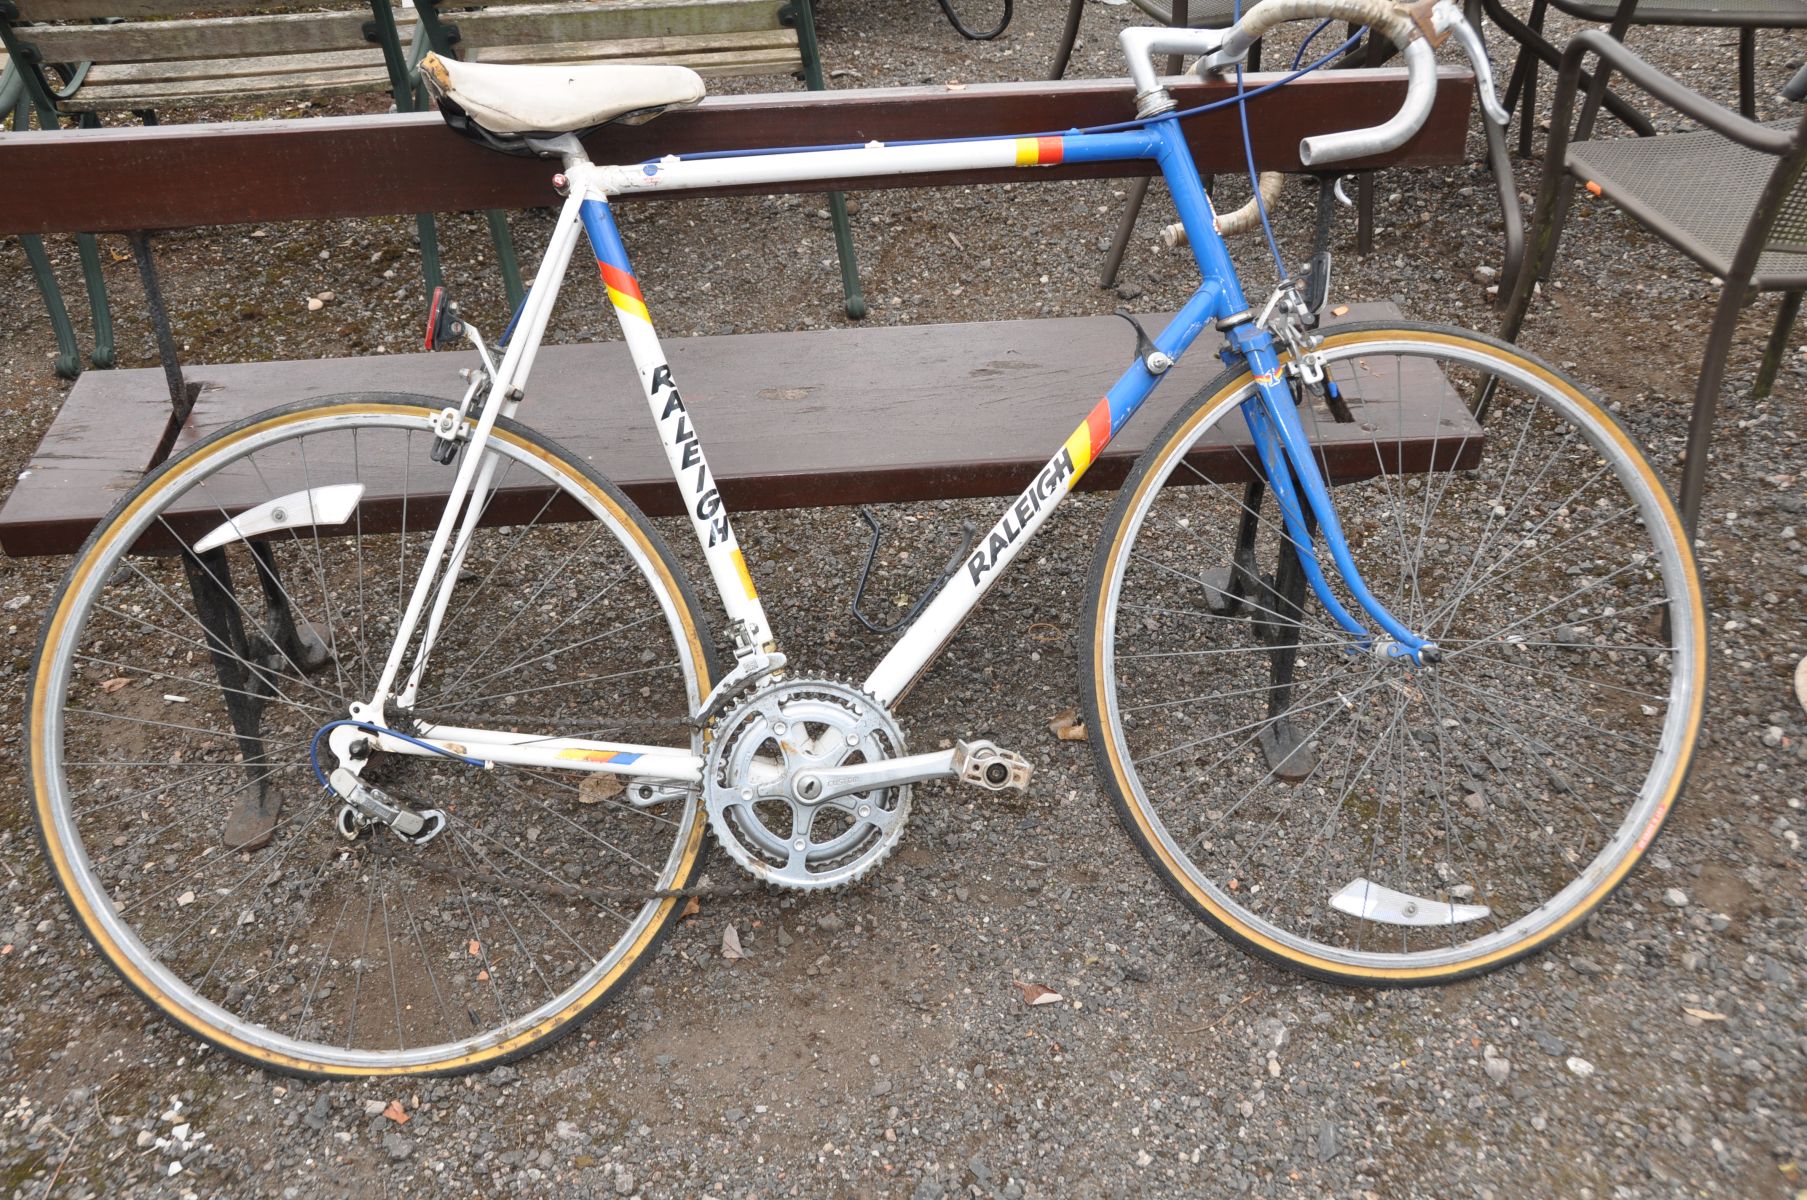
[1115, 127]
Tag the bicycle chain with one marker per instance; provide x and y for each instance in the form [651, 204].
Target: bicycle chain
[571, 891]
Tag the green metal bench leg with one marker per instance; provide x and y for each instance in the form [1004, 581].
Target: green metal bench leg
[97, 300]
[843, 248]
[68, 358]
[798, 13]
[97, 283]
[429, 251]
[505, 259]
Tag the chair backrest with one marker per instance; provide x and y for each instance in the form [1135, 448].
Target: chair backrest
[1788, 228]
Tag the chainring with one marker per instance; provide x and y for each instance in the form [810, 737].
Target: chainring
[762, 744]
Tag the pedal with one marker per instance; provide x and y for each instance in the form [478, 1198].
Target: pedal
[989, 766]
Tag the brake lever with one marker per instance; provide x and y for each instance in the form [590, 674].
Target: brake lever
[1447, 17]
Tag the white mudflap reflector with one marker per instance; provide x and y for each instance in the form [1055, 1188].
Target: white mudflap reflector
[331, 504]
[1374, 902]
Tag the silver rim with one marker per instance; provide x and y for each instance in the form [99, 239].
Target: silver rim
[1338, 861]
[461, 937]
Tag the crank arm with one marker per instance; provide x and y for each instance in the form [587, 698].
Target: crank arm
[976, 762]
[830, 783]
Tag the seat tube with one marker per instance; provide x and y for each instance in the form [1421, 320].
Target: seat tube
[677, 433]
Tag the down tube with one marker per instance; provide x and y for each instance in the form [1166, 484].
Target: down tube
[913, 653]
[683, 449]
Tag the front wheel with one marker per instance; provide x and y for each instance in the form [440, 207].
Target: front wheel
[247, 594]
[1353, 815]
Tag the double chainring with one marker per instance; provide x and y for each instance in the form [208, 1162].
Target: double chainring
[766, 807]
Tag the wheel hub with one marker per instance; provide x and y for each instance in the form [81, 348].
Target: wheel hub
[767, 803]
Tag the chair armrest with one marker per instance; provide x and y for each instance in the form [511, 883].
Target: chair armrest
[1616, 56]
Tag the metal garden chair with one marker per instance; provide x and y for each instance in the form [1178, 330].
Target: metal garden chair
[1730, 196]
[1746, 16]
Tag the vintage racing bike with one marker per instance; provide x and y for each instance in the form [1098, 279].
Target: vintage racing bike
[373, 735]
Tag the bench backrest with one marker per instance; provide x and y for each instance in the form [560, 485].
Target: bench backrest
[276, 31]
[712, 36]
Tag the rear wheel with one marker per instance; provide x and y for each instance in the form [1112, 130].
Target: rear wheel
[181, 683]
[1356, 816]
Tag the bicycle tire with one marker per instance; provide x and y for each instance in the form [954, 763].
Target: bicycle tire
[461, 965]
[1478, 874]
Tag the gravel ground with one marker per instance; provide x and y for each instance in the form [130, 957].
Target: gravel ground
[872, 1043]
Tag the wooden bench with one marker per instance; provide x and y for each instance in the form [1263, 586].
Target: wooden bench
[159, 56]
[77, 59]
[872, 433]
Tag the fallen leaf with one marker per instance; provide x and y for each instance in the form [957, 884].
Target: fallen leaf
[731, 944]
[395, 1112]
[691, 908]
[599, 787]
[1067, 726]
[113, 685]
[1703, 1014]
[475, 948]
[1034, 994]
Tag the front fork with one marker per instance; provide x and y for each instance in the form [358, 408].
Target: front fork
[1293, 475]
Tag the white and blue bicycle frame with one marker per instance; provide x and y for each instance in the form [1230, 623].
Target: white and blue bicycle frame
[1290, 468]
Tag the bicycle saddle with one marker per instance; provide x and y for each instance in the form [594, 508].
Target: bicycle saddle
[512, 103]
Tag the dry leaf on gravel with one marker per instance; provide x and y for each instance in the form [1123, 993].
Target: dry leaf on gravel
[1034, 994]
[691, 908]
[113, 685]
[1703, 1014]
[731, 944]
[1067, 726]
[395, 1112]
[599, 787]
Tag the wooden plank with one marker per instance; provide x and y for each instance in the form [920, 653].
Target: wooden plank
[646, 18]
[85, 10]
[663, 49]
[518, 24]
[208, 37]
[182, 176]
[215, 69]
[789, 419]
[738, 64]
[300, 85]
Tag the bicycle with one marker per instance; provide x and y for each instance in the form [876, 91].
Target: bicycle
[1423, 761]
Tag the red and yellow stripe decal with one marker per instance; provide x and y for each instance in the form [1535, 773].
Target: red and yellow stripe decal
[624, 292]
[1039, 151]
[1088, 441]
[746, 576]
[598, 756]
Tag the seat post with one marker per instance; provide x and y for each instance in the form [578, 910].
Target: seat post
[565, 147]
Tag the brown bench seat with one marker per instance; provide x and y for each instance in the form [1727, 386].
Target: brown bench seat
[844, 416]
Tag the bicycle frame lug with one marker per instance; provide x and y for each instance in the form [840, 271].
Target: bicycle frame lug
[650, 795]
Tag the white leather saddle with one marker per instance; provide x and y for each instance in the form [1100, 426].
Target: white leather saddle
[515, 101]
